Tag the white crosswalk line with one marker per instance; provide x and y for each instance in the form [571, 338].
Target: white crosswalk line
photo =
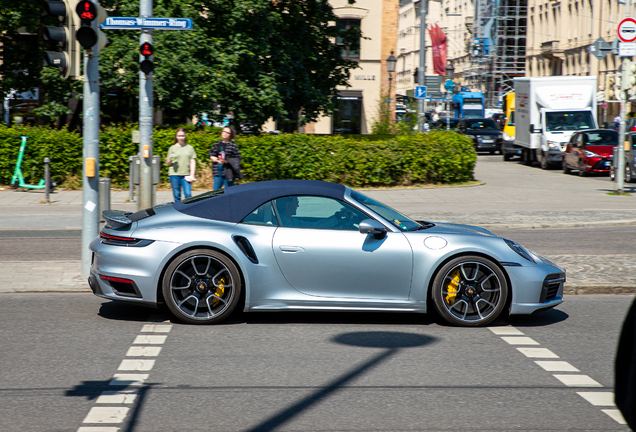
[506, 331]
[150, 339]
[556, 366]
[156, 328]
[106, 415]
[577, 381]
[136, 365]
[145, 351]
[537, 353]
[616, 415]
[519, 340]
[128, 379]
[598, 398]
[117, 397]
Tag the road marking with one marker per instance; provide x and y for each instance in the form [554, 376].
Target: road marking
[598, 398]
[514, 340]
[106, 415]
[128, 379]
[508, 330]
[117, 397]
[150, 339]
[136, 365]
[616, 415]
[537, 353]
[144, 351]
[556, 366]
[577, 381]
[156, 328]
[97, 429]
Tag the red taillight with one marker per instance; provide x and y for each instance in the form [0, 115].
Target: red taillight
[115, 279]
[105, 236]
[633, 128]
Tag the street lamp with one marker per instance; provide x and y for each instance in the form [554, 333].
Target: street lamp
[450, 73]
[390, 67]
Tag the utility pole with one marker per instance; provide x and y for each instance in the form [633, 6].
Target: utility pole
[145, 117]
[421, 76]
[90, 175]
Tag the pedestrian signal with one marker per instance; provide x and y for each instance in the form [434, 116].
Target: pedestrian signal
[87, 35]
[146, 49]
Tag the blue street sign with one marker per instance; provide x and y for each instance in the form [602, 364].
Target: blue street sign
[449, 85]
[136, 23]
[420, 92]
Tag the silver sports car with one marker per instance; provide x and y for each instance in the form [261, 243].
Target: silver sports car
[310, 245]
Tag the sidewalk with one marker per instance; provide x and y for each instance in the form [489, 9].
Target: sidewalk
[510, 196]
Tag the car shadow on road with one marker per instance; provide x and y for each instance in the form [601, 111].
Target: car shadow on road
[119, 311]
[537, 319]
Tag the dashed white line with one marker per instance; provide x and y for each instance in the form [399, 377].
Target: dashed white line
[598, 398]
[97, 429]
[537, 353]
[616, 415]
[556, 366]
[143, 351]
[577, 380]
[150, 339]
[117, 397]
[519, 340]
[156, 328]
[136, 365]
[106, 415]
[128, 379]
[506, 331]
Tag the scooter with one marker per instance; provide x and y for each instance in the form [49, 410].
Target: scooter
[18, 179]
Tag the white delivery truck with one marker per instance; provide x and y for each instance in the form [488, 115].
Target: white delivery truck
[548, 110]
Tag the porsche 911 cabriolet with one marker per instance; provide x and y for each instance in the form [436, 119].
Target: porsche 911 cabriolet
[296, 245]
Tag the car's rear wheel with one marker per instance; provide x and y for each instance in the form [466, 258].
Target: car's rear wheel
[470, 291]
[201, 286]
[582, 172]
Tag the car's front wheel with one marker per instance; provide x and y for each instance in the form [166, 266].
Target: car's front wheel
[201, 286]
[470, 291]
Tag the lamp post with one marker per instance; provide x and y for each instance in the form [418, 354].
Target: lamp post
[450, 73]
[390, 67]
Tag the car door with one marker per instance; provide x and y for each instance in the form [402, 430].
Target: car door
[323, 260]
[569, 148]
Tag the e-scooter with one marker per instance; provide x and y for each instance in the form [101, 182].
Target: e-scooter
[18, 179]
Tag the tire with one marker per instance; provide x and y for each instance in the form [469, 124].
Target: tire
[201, 286]
[582, 172]
[566, 169]
[470, 291]
[507, 157]
[544, 162]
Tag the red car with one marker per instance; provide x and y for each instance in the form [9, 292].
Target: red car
[590, 151]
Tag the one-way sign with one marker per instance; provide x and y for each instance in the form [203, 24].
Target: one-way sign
[420, 92]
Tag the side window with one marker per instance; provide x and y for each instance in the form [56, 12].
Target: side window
[264, 215]
[580, 140]
[317, 212]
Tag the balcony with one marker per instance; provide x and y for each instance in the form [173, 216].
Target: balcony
[552, 49]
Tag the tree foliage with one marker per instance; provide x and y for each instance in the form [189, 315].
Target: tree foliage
[256, 58]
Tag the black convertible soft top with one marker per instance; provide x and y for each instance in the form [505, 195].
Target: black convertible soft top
[238, 201]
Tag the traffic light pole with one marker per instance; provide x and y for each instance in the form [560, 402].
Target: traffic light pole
[145, 118]
[421, 76]
[90, 175]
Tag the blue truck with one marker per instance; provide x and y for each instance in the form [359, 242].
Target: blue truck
[469, 105]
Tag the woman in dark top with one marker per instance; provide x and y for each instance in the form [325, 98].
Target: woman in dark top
[226, 158]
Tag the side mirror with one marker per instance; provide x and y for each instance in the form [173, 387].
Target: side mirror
[370, 226]
[534, 129]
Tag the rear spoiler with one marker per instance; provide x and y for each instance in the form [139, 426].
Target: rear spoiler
[120, 218]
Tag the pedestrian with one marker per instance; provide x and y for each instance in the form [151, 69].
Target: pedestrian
[226, 158]
[182, 162]
[425, 126]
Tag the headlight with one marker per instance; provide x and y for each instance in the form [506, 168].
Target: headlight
[591, 154]
[554, 145]
[508, 137]
[519, 250]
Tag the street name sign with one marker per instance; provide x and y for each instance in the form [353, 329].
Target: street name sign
[420, 92]
[627, 30]
[137, 23]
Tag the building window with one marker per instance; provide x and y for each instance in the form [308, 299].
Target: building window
[347, 24]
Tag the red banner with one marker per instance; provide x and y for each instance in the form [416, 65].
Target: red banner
[438, 41]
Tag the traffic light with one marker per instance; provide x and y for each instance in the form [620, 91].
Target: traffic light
[416, 75]
[86, 35]
[68, 60]
[147, 66]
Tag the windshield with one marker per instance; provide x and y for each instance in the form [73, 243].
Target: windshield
[472, 113]
[569, 121]
[480, 124]
[402, 222]
[511, 119]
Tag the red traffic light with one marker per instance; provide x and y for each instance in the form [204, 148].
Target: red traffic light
[146, 49]
[86, 10]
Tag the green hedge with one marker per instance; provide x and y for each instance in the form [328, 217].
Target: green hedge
[435, 157]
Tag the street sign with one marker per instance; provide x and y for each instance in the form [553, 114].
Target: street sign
[420, 92]
[136, 23]
[449, 84]
[626, 49]
[627, 30]
[599, 48]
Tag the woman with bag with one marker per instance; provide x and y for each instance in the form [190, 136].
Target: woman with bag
[226, 158]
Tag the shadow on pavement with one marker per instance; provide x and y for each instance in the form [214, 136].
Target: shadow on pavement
[118, 311]
[538, 319]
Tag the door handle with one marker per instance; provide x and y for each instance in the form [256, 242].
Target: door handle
[291, 249]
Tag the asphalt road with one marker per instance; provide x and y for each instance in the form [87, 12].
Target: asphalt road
[64, 245]
[302, 372]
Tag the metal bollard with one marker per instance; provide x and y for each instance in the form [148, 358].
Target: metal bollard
[47, 179]
[131, 185]
[104, 198]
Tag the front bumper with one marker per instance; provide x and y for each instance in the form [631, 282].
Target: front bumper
[535, 288]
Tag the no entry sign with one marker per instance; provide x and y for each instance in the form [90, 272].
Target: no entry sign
[627, 30]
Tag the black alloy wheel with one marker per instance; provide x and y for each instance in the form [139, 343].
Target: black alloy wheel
[201, 286]
[470, 291]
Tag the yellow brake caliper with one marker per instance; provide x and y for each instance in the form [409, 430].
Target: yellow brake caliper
[452, 288]
[219, 292]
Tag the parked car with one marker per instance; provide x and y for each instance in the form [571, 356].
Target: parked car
[590, 151]
[630, 160]
[309, 245]
[484, 132]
